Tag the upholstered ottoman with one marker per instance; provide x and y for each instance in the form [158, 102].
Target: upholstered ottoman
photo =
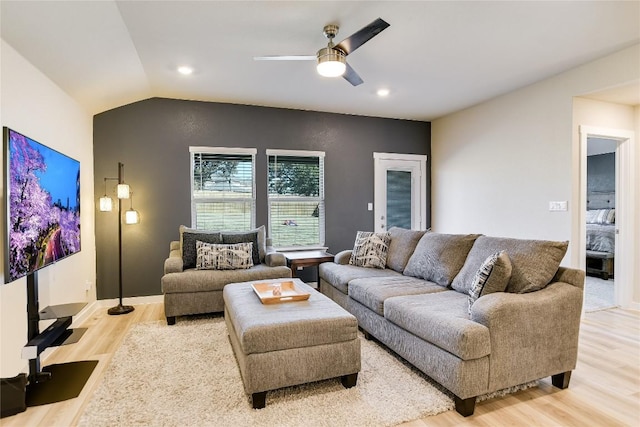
[289, 343]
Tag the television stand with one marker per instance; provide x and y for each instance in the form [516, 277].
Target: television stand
[57, 382]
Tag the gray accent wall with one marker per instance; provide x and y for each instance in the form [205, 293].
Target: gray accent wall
[152, 139]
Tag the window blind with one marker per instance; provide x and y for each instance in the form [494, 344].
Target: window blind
[222, 190]
[296, 198]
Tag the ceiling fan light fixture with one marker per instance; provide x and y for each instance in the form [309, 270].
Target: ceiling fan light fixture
[185, 70]
[331, 62]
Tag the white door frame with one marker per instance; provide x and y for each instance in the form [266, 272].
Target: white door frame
[420, 188]
[625, 222]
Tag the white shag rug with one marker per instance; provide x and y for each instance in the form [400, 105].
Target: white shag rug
[187, 375]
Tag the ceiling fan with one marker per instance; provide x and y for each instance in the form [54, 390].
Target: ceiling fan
[332, 60]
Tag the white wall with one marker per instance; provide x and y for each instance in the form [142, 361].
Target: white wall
[33, 105]
[496, 166]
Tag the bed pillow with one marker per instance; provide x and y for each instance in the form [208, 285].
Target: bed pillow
[492, 276]
[189, 237]
[601, 216]
[224, 257]
[439, 257]
[370, 250]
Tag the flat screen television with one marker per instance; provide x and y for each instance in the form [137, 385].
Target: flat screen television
[42, 205]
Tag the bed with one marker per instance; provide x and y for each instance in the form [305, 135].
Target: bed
[601, 234]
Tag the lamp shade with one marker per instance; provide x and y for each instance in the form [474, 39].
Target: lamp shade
[331, 62]
[106, 204]
[131, 217]
[123, 191]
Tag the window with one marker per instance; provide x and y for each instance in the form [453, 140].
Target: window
[223, 188]
[296, 198]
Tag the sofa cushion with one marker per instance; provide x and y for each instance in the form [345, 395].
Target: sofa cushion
[439, 257]
[339, 275]
[189, 237]
[246, 237]
[370, 250]
[223, 257]
[533, 262]
[441, 319]
[402, 244]
[373, 291]
[492, 276]
[193, 280]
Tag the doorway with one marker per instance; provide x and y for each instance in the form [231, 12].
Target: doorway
[399, 191]
[621, 200]
[600, 224]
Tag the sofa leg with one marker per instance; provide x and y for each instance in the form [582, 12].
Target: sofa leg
[259, 400]
[350, 380]
[171, 320]
[561, 380]
[465, 407]
[367, 335]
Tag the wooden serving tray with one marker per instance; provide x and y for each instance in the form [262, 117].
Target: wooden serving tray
[288, 292]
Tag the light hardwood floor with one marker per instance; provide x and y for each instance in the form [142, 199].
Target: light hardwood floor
[604, 388]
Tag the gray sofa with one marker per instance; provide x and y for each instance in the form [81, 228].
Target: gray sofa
[523, 326]
[188, 290]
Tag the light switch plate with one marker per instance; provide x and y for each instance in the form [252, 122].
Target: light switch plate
[560, 206]
[369, 206]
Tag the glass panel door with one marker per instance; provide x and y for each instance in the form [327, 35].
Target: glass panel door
[398, 199]
[400, 191]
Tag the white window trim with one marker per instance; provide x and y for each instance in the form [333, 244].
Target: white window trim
[320, 198]
[223, 150]
[295, 153]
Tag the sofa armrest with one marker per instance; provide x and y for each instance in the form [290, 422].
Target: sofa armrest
[343, 257]
[173, 264]
[571, 276]
[275, 259]
[533, 335]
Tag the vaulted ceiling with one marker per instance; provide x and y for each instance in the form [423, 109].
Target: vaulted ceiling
[435, 58]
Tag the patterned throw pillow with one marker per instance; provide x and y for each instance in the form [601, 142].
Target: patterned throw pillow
[370, 249]
[224, 257]
[492, 276]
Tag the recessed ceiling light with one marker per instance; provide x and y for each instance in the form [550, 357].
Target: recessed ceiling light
[383, 92]
[184, 70]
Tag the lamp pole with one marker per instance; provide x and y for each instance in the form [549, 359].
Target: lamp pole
[120, 308]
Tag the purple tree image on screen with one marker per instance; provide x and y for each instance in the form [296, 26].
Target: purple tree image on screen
[44, 205]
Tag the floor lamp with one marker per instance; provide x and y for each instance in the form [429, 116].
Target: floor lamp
[131, 217]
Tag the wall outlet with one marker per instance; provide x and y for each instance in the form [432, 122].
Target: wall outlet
[560, 206]
[87, 285]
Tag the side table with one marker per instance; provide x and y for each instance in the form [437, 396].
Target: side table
[297, 259]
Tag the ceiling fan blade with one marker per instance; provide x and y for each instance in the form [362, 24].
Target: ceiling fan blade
[351, 76]
[359, 38]
[285, 58]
